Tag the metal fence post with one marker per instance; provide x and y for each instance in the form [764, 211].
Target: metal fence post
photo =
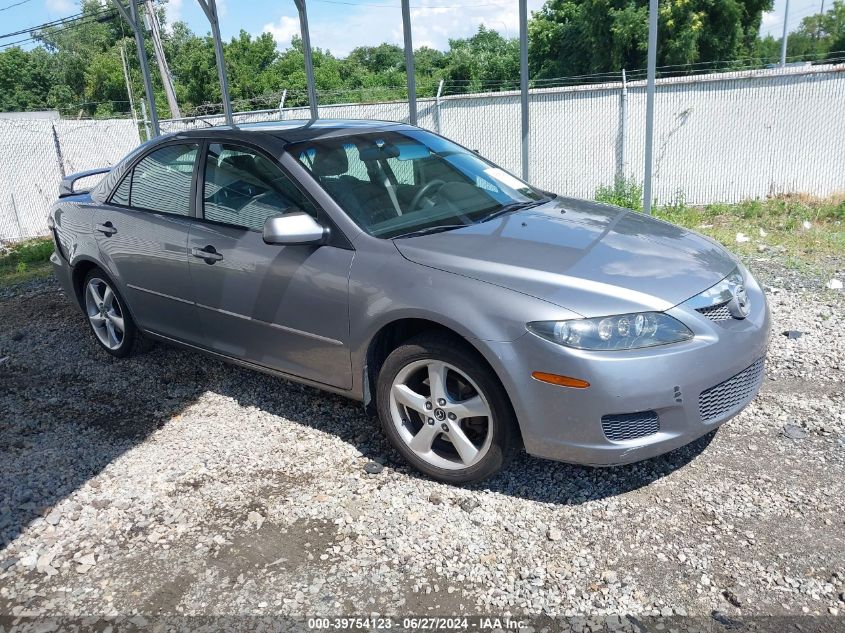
[209, 7]
[409, 62]
[309, 62]
[282, 103]
[437, 102]
[131, 16]
[623, 130]
[523, 81]
[649, 109]
[146, 121]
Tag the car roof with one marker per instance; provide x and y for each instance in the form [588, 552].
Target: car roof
[297, 130]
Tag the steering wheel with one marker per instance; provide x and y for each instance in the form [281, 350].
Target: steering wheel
[422, 193]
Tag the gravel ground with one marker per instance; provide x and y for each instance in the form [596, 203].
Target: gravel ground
[174, 484]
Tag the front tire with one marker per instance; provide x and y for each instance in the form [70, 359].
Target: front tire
[444, 410]
[110, 321]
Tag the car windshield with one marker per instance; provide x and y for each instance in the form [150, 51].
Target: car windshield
[397, 184]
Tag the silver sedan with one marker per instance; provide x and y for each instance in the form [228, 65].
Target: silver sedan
[473, 312]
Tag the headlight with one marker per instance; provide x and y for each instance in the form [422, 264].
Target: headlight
[624, 331]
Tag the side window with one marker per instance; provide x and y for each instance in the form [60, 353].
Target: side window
[243, 188]
[161, 182]
[121, 194]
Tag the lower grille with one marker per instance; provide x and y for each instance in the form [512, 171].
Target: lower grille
[718, 312]
[733, 394]
[630, 426]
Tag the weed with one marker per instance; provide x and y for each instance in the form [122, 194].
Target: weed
[25, 260]
[625, 192]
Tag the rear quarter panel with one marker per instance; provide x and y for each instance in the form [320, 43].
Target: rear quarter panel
[73, 219]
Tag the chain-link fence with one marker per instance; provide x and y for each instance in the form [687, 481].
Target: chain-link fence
[719, 137]
[36, 154]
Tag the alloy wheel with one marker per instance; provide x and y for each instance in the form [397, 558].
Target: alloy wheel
[441, 414]
[105, 313]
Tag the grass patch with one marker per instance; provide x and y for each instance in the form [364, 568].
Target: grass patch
[807, 233]
[24, 261]
[804, 231]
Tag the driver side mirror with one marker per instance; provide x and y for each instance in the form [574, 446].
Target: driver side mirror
[294, 227]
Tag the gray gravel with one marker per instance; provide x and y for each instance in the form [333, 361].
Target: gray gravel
[173, 484]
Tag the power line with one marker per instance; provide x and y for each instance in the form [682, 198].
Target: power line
[58, 22]
[66, 21]
[68, 27]
[13, 5]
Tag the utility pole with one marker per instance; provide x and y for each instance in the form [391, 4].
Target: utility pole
[128, 83]
[785, 35]
[819, 21]
[130, 14]
[163, 68]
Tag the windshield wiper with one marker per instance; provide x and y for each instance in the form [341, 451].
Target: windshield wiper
[429, 230]
[514, 206]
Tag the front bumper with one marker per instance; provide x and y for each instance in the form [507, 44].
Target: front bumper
[565, 424]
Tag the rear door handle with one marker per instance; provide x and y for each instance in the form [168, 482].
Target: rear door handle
[106, 229]
[209, 254]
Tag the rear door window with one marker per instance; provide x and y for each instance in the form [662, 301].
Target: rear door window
[161, 182]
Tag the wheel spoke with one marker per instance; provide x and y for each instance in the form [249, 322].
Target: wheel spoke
[437, 379]
[113, 342]
[472, 408]
[95, 293]
[97, 320]
[466, 449]
[406, 396]
[117, 321]
[422, 441]
[108, 298]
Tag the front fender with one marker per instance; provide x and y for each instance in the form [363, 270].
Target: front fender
[384, 287]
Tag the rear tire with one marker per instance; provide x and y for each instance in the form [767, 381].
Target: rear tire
[445, 411]
[107, 314]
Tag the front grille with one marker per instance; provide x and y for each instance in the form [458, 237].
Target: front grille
[630, 426]
[718, 312]
[730, 396]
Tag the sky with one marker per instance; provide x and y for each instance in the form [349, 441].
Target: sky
[341, 25]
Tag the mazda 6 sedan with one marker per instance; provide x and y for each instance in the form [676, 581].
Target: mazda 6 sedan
[475, 313]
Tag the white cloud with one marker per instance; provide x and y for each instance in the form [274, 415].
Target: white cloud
[174, 11]
[431, 26]
[283, 30]
[61, 6]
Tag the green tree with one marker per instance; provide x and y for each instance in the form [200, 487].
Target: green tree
[574, 37]
[819, 37]
[485, 61]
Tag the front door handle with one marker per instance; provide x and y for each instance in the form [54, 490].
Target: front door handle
[106, 229]
[209, 254]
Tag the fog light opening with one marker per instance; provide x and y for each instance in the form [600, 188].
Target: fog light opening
[560, 381]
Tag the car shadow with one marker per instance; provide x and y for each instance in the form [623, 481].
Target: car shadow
[69, 410]
[526, 477]
[555, 482]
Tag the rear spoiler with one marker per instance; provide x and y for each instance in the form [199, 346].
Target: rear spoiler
[66, 186]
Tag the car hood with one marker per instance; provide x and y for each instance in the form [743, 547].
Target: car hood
[590, 258]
